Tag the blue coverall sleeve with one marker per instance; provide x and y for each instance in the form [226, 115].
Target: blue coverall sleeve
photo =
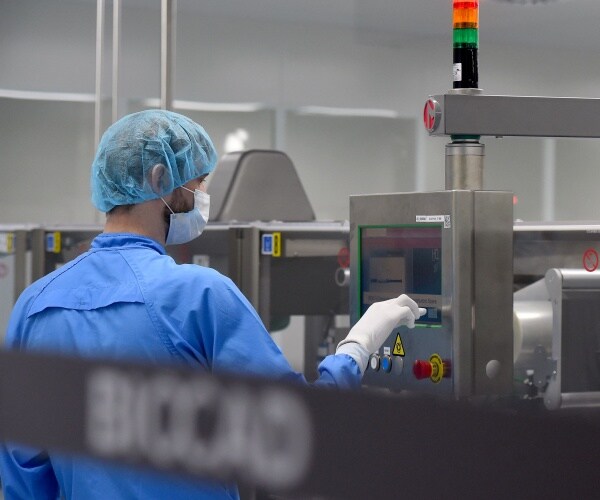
[237, 341]
[339, 371]
[26, 473]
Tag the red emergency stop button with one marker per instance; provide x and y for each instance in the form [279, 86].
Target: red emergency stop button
[422, 369]
[434, 369]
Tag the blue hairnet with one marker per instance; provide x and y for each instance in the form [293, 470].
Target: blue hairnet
[133, 145]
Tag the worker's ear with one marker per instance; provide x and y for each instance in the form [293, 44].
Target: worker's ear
[160, 179]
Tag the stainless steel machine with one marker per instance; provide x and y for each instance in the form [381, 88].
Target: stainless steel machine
[258, 185]
[556, 331]
[293, 269]
[539, 246]
[557, 339]
[451, 251]
[55, 245]
[15, 265]
[556, 320]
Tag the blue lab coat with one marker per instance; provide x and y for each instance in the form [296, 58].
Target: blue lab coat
[126, 299]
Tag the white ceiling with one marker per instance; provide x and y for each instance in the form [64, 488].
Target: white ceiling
[570, 24]
[553, 23]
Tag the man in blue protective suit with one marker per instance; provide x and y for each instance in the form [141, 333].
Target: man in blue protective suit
[126, 298]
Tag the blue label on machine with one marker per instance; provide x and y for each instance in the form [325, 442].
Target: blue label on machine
[50, 242]
[267, 244]
[53, 242]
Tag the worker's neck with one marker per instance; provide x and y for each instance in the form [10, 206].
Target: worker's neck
[144, 219]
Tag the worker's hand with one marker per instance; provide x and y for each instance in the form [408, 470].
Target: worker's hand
[377, 324]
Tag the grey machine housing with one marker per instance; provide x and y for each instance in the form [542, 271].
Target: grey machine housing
[258, 185]
[557, 338]
[475, 332]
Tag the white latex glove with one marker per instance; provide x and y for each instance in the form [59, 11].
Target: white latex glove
[376, 325]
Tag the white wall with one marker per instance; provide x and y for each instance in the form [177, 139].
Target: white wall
[50, 46]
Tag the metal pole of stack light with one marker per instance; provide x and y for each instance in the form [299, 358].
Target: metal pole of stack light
[464, 165]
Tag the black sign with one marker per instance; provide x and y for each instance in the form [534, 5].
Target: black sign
[293, 439]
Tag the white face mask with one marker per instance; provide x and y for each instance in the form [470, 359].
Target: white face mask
[186, 226]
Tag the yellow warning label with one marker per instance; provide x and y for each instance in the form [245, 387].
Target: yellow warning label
[57, 242]
[276, 244]
[437, 368]
[7, 243]
[398, 347]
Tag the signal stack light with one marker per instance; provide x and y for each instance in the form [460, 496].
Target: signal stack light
[465, 38]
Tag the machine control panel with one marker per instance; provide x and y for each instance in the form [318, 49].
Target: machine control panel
[399, 259]
[451, 252]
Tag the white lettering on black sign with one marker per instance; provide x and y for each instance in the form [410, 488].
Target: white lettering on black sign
[263, 435]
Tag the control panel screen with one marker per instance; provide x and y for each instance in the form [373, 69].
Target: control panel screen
[402, 259]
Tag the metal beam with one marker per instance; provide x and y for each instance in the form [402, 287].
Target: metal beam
[503, 115]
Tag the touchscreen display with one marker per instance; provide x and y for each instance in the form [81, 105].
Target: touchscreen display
[402, 259]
